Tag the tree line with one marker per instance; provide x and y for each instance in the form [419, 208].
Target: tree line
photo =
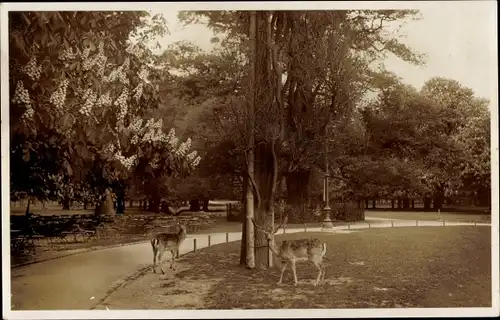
[282, 97]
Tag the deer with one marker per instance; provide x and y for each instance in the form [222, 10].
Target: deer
[292, 251]
[162, 242]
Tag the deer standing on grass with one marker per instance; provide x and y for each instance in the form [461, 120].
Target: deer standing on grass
[167, 241]
[292, 251]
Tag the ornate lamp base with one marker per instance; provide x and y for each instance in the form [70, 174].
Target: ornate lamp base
[327, 223]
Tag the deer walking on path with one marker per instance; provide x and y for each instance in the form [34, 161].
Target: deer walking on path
[292, 251]
[167, 241]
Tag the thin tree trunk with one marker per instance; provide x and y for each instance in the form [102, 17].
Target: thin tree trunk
[249, 201]
[243, 251]
[120, 200]
[27, 212]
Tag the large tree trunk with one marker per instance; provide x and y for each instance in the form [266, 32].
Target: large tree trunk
[264, 215]
[268, 83]
[120, 200]
[484, 197]
[296, 186]
[66, 203]
[427, 203]
[406, 203]
[438, 200]
[154, 204]
[205, 203]
[194, 205]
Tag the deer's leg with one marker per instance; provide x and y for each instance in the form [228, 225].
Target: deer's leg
[284, 264]
[160, 256]
[173, 252]
[320, 271]
[294, 272]
[323, 270]
[155, 252]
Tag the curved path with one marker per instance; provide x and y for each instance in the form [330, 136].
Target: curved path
[82, 280]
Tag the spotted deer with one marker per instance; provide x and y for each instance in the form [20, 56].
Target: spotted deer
[292, 251]
[167, 241]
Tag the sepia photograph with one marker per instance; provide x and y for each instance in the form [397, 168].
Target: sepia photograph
[249, 159]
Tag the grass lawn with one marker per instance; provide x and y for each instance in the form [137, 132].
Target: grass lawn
[375, 268]
[430, 216]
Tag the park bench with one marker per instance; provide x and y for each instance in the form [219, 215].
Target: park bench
[78, 231]
[22, 239]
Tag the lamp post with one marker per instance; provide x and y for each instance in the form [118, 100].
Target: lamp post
[327, 223]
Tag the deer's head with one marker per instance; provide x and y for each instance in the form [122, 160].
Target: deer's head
[268, 230]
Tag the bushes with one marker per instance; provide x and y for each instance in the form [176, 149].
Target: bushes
[342, 211]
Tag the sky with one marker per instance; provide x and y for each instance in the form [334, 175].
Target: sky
[459, 39]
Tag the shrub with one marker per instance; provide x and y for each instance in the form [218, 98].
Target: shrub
[348, 211]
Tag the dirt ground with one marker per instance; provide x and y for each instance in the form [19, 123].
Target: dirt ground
[157, 291]
[441, 267]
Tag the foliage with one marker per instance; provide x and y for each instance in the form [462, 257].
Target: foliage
[88, 78]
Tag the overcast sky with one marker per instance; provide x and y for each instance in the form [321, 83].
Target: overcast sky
[459, 39]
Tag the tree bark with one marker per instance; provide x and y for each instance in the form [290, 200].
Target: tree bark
[267, 85]
[374, 204]
[265, 209]
[392, 203]
[194, 205]
[66, 203]
[250, 186]
[245, 239]
[205, 205]
[154, 204]
[427, 203]
[27, 212]
[438, 201]
[296, 186]
[120, 200]
[484, 197]
[406, 203]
